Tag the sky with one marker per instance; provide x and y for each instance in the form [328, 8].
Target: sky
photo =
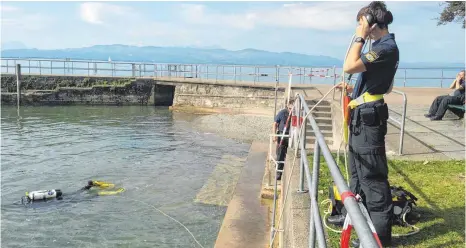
[314, 28]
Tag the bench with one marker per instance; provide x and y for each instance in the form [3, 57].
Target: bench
[458, 110]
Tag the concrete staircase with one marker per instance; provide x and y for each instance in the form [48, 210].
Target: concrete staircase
[323, 117]
[322, 114]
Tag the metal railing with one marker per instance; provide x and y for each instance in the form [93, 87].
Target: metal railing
[420, 77]
[316, 231]
[236, 73]
[402, 121]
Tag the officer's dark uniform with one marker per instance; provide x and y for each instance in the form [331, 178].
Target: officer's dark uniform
[440, 104]
[368, 127]
[282, 149]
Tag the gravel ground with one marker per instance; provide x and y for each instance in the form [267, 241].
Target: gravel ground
[244, 128]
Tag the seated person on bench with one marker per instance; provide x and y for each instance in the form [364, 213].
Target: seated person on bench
[440, 104]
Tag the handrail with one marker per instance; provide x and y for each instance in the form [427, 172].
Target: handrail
[358, 220]
[402, 122]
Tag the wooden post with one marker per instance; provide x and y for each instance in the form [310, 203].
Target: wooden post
[18, 84]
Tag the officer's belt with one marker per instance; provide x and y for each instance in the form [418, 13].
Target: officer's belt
[364, 98]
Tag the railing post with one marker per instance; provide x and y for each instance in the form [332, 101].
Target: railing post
[404, 80]
[234, 72]
[315, 183]
[441, 80]
[272, 231]
[18, 84]
[302, 154]
[405, 100]
[277, 75]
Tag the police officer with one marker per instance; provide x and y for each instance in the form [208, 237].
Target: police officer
[369, 114]
[282, 147]
[440, 104]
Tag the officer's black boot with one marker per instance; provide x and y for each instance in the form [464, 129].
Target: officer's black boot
[337, 220]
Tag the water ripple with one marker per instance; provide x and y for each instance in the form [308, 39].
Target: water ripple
[159, 160]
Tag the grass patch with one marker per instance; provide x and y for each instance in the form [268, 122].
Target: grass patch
[440, 189]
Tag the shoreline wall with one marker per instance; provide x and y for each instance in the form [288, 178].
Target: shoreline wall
[82, 90]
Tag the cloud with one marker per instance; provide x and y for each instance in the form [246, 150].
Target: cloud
[198, 14]
[14, 18]
[317, 15]
[6, 8]
[98, 13]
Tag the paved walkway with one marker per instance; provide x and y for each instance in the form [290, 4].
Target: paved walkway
[425, 139]
[246, 220]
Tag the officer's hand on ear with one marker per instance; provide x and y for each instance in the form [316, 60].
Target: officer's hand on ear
[363, 29]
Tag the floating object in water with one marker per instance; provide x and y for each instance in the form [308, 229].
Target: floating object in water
[42, 195]
[111, 192]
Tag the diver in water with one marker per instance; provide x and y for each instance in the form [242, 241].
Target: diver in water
[102, 188]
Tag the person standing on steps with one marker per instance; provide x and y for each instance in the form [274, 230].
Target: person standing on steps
[440, 104]
[369, 114]
[278, 126]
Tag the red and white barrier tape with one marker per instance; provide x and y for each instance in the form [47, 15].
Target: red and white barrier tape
[314, 75]
[347, 227]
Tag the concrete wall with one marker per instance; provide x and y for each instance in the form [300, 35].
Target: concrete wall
[295, 223]
[35, 91]
[224, 96]
[39, 90]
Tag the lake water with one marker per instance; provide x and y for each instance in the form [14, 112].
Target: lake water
[151, 152]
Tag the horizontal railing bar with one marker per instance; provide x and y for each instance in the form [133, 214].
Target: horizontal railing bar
[219, 65]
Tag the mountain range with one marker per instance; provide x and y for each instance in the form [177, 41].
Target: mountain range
[190, 55]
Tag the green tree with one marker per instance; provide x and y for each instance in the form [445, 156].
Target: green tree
[453, 11]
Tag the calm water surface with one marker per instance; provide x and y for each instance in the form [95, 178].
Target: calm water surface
[153, 153]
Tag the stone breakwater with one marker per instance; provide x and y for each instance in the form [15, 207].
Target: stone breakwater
[38, 90]
[181, 94]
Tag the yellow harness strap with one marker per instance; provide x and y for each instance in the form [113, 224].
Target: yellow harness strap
[364, 98]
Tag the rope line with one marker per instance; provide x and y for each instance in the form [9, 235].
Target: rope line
[294, 159]
[168, 216]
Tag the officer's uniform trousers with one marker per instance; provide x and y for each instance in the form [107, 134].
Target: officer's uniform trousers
[368, 164]
[281, 151]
